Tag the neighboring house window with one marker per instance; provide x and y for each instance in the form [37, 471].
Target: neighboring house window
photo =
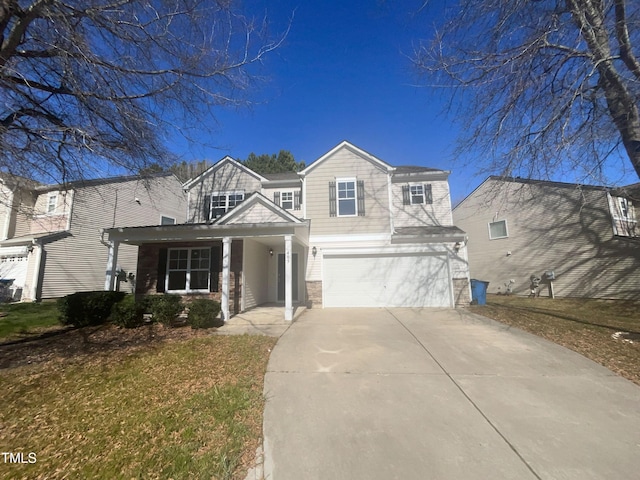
[623, 212]
[188, 269]
[288, 199]
[222, 202]
[417, 194]
[52, 202]
[498, 229]
[167, 220]
[346, 198]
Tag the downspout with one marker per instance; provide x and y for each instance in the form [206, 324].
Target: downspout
[35, 280]
[7, 221]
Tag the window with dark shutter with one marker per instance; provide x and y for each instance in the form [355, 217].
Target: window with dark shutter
[428, 196]
[360, 194]
[406, 195]
[332, 199]
[276, 198]
[214, 271]
[206, 208]
[162, 270]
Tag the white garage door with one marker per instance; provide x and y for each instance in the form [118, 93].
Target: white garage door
[386, 280]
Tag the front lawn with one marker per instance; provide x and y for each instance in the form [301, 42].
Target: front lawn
[21, 319]
[587, 326]
[113, 403]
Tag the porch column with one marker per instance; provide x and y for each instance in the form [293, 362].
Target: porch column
[288, 297]
[226, 257]
[112, 261]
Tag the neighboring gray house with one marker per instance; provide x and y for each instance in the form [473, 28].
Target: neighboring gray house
[51, 240]
[350, 230]
[587, 235]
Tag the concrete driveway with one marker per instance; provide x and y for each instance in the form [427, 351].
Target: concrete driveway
[440, 394]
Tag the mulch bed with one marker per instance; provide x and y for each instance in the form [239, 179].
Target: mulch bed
[77, 344]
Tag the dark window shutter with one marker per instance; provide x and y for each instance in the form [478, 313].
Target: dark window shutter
[332, 199]
[360, 196]
[406, 195]
[206, 208]
[214, 269]
[428, 196]
[276, 198]
[297, 200]
[162, 270]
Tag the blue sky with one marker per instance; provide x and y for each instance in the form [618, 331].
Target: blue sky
[343, 73]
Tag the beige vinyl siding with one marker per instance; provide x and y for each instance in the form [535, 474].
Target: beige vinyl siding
[437, 213]
[78, 262]
[258, 213]
[227, 178]
[346, 164]
[564, 229]
[269, 192]
[23, 202]
[44, 221]
[255, 270]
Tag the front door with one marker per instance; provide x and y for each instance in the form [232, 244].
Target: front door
[294, 277]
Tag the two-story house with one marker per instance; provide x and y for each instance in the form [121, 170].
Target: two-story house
[350, 230]
[587, 236]
[52, 242]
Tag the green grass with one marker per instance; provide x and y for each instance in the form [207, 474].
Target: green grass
[184, 409]
[24, 318]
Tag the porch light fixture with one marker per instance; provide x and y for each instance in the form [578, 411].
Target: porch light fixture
[271, 252]
[314, 252]
[457, 246]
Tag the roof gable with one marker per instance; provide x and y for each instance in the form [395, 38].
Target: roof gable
[352, 148]
[217, 166]
[257, 209]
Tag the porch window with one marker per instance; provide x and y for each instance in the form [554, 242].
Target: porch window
[222, 202]
[188, 269]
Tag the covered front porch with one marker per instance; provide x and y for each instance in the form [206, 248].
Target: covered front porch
[241, 265]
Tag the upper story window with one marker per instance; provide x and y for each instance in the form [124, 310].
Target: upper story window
[52, 203]
[623, 212]
[288, 199]
[219, 203]
[417, 194]
[346, 198]
[165, 220]
[498, 229]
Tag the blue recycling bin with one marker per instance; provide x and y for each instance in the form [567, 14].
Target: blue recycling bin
[479, 292]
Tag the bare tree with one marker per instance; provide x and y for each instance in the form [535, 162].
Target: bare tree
[544, 85]
[89, 85]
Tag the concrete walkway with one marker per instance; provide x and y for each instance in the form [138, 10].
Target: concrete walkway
[440, 394]
[267, 319]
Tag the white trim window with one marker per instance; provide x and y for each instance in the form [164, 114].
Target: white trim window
[417, 194]
[222, 202]
[286, 199]
[52, 203]
[188, 269]
[347, 206]
[498, 229]
[166, 220]
[625, 223]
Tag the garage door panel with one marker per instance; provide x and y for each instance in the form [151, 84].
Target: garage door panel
[413, 280]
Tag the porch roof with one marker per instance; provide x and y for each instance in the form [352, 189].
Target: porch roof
[204, 231]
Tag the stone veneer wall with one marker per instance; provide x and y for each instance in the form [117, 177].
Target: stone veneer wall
[148, 255]
[461, 292]
[314, 294]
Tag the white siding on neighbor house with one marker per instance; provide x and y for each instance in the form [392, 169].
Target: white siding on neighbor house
[227, 178]
[255, 270]
[564, 229]
[437, 213]
[6, 211]
[344, 163]
[23, 202]
[58, 220]
[78, 262]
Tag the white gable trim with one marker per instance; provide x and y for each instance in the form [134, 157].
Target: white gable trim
[358, 151]
[250, 202]
[189, 183]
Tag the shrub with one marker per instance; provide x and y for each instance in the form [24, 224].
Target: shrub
[82, 309]
[128, 313]
[165, 308]
[203, 313]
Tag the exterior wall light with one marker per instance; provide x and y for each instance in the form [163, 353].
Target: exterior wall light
[314, 252]
[271, 252]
